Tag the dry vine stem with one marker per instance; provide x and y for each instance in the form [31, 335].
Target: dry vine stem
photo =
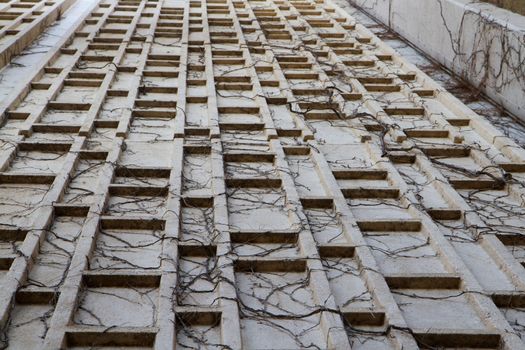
[259, 174]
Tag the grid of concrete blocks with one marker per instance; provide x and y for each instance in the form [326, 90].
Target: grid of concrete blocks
[249, 174]
[21, 21]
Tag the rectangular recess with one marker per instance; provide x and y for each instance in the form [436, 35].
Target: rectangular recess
[317, 202]
[248, 157]
[124, 190]
[293, 150]
[424, 281]
[336, 251]
[457, 338]
[12, 234]
[264, 236]
[143, 172]
[197, 250]
[373, 192]
[44, 146]
[68, 106]
[389, 225]
[364, 317]
[12, 178]
[132, 223]
[444, 213]
[43, 296]
[254, 182]
[197, 201]
[270, 265]
[360, 174]
[117, 279]
[115, 336]
[199, 317]
[70, 210]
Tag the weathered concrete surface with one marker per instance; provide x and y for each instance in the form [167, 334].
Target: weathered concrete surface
[22, 69]
[252, 175]
[509, 124]
[480, 42]
[22, 22]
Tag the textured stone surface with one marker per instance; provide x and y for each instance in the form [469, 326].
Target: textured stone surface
[251, 175]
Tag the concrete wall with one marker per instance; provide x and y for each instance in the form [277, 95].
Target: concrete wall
[482, 43]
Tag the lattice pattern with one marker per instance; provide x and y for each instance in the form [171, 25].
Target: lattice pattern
[252, 174]
[21, 21]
